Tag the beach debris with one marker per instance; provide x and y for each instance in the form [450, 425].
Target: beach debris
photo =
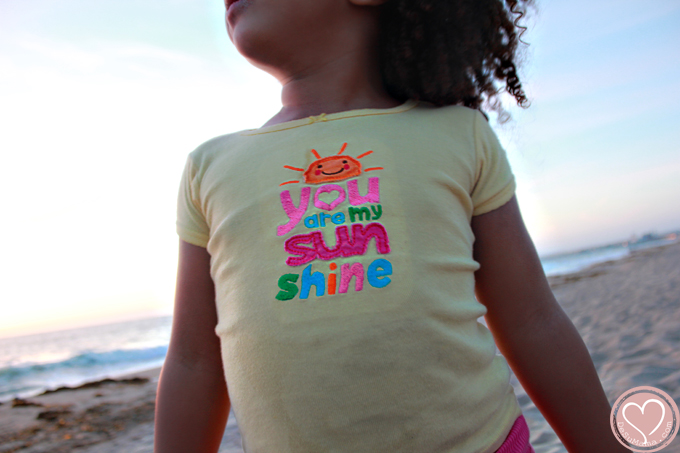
[19, 402]
[97, 384]
[52, 415]
[63, 428]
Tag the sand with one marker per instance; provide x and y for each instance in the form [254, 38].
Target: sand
[627, 311]
[107, 416]
[628, 314]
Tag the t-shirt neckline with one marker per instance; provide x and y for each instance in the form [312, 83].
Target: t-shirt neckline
[409, 104]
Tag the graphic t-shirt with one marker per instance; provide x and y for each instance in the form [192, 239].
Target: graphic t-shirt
[341, 252]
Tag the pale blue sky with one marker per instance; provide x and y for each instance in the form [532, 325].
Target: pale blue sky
[101, 101]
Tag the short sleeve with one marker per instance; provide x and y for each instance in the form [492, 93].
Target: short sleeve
[494, 183]
[191, 224]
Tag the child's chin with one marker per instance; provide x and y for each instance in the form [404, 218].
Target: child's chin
[253, 44]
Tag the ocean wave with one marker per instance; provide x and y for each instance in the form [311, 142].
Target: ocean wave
[33, 378]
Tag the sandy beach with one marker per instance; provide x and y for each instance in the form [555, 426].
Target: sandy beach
[108, 416]
[627, 311]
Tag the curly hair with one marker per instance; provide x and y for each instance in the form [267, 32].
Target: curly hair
[449, 52]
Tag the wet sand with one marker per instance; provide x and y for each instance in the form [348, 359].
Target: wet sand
[627, 311]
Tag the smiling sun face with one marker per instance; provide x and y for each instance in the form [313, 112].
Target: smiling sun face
[331, 168]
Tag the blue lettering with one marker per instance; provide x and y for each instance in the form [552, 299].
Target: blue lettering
[377, 273]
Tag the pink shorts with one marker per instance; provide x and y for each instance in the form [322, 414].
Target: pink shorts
[518, 438]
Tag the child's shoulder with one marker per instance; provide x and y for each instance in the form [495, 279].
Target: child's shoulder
[451, 112]
[207, 150]
[458, 120]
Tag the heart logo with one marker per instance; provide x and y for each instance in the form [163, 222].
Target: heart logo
[328, 188]
[644, 421]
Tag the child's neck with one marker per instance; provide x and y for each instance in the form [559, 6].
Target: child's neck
[347, 83]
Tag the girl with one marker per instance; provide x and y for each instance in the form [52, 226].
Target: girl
[327, 274]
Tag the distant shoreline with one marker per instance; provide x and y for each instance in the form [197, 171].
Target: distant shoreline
[601, 267]
[569, 263]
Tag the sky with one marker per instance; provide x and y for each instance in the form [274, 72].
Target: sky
[100, 103]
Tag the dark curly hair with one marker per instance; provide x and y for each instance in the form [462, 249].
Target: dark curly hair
[450, 52]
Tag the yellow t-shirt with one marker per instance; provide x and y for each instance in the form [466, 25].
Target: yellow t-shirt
[341, 251]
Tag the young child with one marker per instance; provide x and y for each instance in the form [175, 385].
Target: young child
[329, 260]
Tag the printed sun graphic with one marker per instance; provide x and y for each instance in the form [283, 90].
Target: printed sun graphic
[331, 168]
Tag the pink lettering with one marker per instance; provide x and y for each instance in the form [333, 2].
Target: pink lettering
[346, 274]
[306, 254]
[329, 188]
[324, 252]
[294, 213]
[363, 234]
[344, 245]
[373, 195]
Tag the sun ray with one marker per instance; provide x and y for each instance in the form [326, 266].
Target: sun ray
[287, 182]
[316, 154]
[293, 168]
[344, 145]
[364, 154]
[373, 168]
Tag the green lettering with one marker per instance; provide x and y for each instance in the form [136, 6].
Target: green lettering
[360, 212]
[288, 289]
[376, 212]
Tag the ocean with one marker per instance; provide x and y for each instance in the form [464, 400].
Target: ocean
[32, 364]
[567, 263]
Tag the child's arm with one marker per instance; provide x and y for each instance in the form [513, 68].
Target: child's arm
[536, 337]
[192, 404]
